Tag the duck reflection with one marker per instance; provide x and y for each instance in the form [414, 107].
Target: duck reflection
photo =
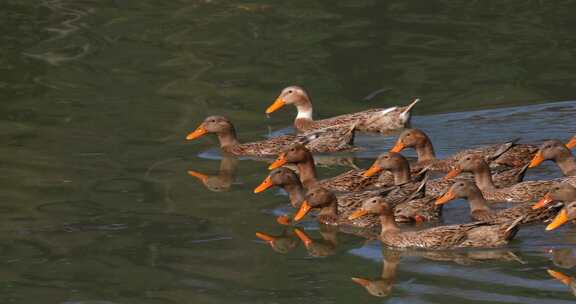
[565, 279]
[283, 243]
[563, 257]
[223, 180]
[320, 247]
[382, 286]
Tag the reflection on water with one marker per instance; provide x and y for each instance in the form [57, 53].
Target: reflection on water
[97, 96]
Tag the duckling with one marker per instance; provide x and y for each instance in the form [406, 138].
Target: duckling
[507, 154]
[325, 140]
[477, 234]
[481, 211]
[557, 152]
[373, 120]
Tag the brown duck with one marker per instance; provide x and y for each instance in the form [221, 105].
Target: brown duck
[477, 234]
[557, 152]
[508, 154]
[373, 120]
[326, 140]
[480, 210]
[559, 192]
[522, 192]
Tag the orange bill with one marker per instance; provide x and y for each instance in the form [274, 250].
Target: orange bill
[448, 196]
[278, 103]
[265, 184]
[399, 146]
[279, 162]
[559, 220]
[536, 160]
[572, 143]
[304, 209]
[202, 177]
[357, 214]
[560, 276]
[361, 282]
[199, 132]
[543, 202]
[303, 237]
[265, 237]
[283, 220]
[373, 170]
[453, 173]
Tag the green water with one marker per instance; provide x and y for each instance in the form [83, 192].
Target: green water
[96, 98]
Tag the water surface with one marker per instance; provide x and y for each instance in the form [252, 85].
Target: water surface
[97, 97]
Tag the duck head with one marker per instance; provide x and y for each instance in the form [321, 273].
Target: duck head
[296, 153]
[468, 163]
[550, 150]
[318, 198]
[374, 205]
[460, 189]
[389, 161]
[294, 95]
[410, 138]
[279, 177]
[212, 124]
[560, 192]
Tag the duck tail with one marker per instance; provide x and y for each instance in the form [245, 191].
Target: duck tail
[503, 148]
[512, 229]
[410, 106]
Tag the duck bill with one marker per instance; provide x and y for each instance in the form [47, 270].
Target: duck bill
[357, 214]
[373, 170]
[279, 162]
[448, 196]
[399, 146]
[306, 240]
[572, 143]
[201, 177]
[265, 184]
[265, 237]
[199, 132]
[361, 281]
[547, 199]
[453, 173]
[278, 103]
[304, 209]
[560, 277]
[559, 220]
[536, 160]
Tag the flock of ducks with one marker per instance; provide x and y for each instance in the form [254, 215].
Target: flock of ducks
[374, 202]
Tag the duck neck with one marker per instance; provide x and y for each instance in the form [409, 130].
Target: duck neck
[483, 178]
[330, 211]
[305, 115]
[567, 164]
[307, 171]
[388, 223]
[227, 139]
[296, 194]
[425, 151]
[477, 201]
[401, 174]
[389, 270]
[228, 166]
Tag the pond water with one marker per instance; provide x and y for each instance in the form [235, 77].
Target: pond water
[98, 96]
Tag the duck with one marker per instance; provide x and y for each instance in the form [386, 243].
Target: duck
[320, 247]
[568, 213]
[286, 179]
[221, 182]
[565, 279]
[480, 210]
[521, 192]
[325, 140]
[372, 120]
[506, 154]
[470, 235]
[557, 152]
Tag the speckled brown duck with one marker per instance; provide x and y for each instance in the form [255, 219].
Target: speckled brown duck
[557, 152]
[326, 140]
[508, 154]
[373, 120]
[480, 210]
[477, 234]
[527, 191]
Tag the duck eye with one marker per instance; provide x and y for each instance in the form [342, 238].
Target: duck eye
[289, 91]
[467, 158]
